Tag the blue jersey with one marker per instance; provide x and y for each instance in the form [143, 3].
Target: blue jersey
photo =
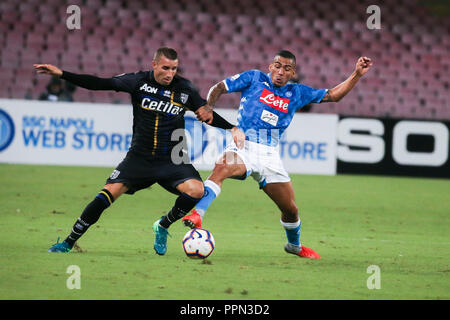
[265, 110]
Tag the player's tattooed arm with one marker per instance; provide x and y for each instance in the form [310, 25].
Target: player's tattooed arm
[206, 112]
[215, 92]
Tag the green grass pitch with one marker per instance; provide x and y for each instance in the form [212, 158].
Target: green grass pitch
[400, 225]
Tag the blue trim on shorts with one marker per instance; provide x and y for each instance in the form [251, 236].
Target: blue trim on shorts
[262, 184]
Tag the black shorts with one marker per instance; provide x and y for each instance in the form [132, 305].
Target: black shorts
[139, 173]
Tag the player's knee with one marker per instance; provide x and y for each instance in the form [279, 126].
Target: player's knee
[116, 189]
[196, 190]
[222, 171]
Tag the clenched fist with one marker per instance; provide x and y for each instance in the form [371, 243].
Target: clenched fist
[363, 65]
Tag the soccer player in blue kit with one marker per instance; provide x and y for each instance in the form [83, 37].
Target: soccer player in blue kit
[268, 104]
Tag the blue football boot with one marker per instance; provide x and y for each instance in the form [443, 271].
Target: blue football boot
[60, 247]
[161, 233]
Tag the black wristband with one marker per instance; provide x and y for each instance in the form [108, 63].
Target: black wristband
[220, 122]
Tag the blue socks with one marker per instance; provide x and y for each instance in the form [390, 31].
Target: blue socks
[212, 190]
[292, 231]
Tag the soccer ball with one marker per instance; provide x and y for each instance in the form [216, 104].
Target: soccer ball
[198, 243]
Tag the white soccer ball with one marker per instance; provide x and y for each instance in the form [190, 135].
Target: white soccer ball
[198, 243]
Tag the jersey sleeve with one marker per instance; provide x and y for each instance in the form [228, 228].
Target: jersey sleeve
[195, 100]
[239, 81]
[311, 95]
[126, 82]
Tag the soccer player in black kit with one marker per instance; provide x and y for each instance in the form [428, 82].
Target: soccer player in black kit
[160, 99]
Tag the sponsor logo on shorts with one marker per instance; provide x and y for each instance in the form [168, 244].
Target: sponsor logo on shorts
[269, 98]
[114, 174]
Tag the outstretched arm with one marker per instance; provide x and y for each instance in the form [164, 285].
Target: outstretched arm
[337, 93]
[82, 80]
[48, 69]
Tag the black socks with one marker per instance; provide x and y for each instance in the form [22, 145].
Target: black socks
[183, 205]
[90, 215]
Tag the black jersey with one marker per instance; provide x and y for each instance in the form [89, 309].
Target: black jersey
[157, 111]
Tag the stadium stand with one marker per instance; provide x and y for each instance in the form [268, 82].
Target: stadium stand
[217, 39]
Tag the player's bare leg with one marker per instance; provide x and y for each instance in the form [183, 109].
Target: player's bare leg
[230, 165]
[191, 187]
[283, 195]
[116, 189]
[90, 215]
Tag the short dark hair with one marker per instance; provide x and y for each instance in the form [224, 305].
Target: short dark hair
[167, 52]
[287, 54]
